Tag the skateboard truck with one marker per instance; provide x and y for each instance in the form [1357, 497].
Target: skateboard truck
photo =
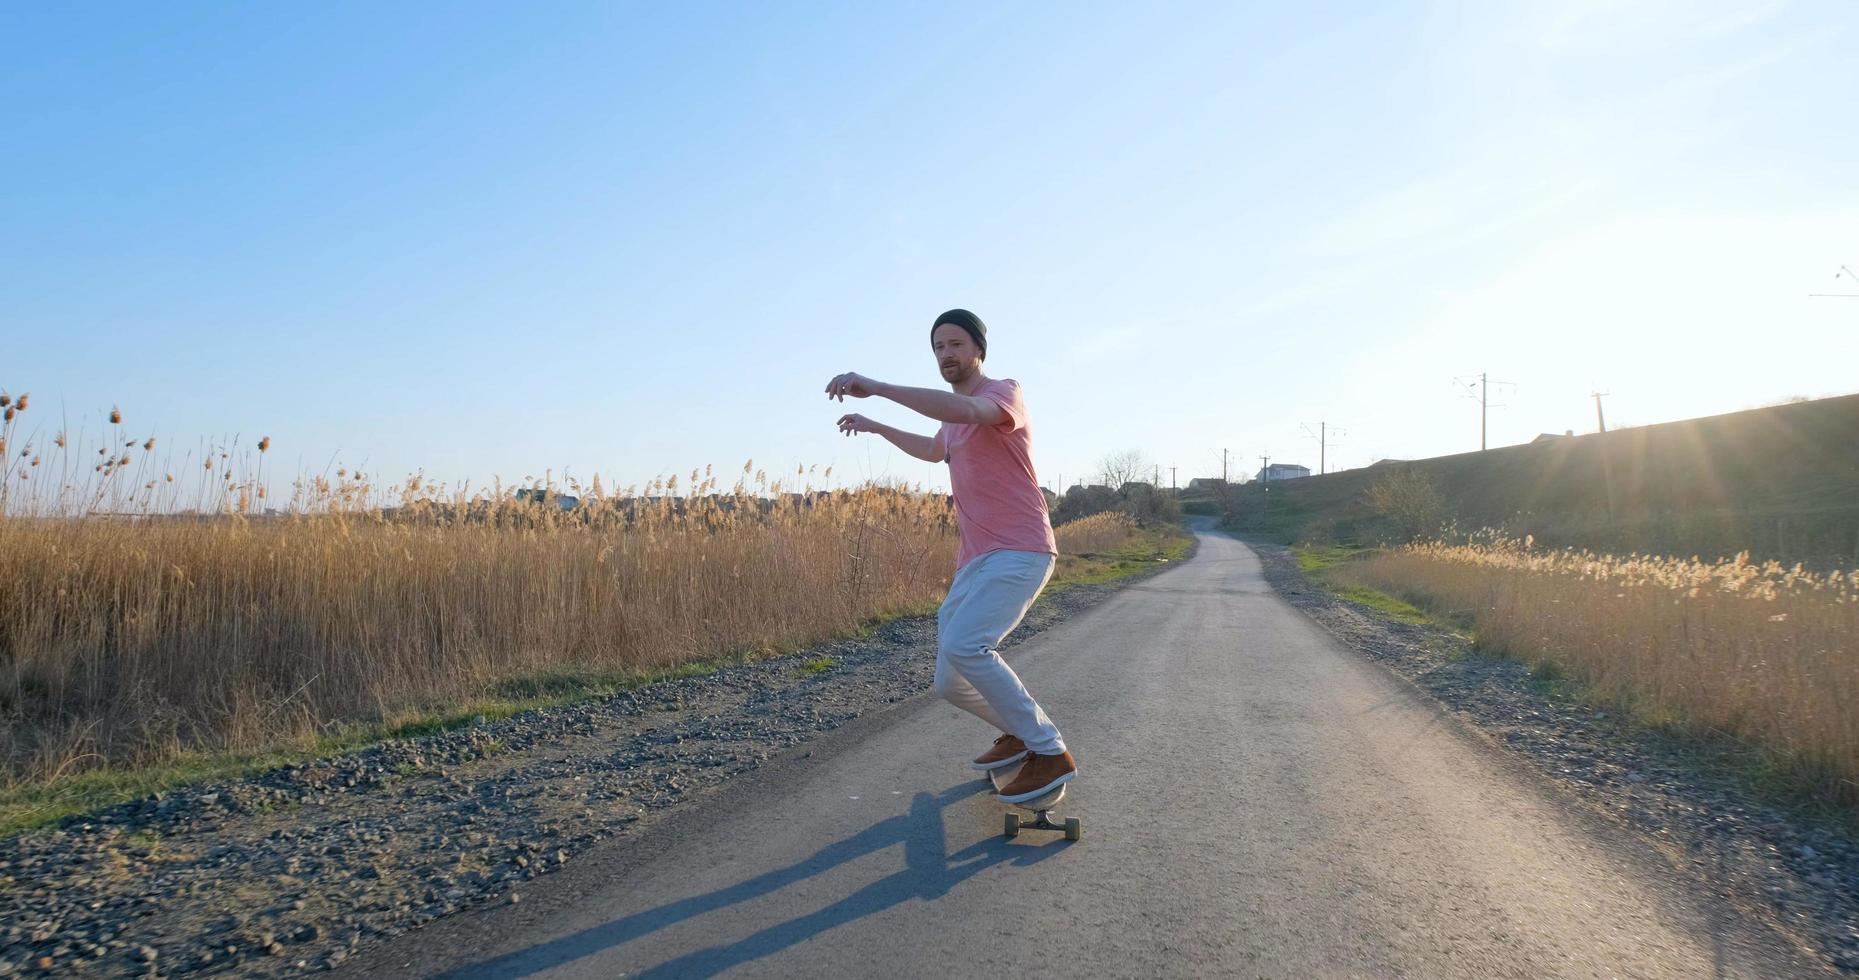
[1039, 806]
[1071, 827]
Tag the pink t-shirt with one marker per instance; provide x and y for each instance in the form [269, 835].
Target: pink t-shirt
[998, 503]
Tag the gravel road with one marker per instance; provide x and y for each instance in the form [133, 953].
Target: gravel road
[1258, 800]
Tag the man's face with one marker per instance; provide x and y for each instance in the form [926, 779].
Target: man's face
[956, 354]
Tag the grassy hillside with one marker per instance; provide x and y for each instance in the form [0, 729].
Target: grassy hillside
[1779, 482]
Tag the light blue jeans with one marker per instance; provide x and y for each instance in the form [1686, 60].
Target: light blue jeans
[989, 597]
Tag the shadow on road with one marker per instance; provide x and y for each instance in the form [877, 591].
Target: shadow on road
[929, 872]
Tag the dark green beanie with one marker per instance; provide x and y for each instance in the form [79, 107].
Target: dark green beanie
[967, 321]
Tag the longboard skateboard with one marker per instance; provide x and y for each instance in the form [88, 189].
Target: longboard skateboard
[1039, 806]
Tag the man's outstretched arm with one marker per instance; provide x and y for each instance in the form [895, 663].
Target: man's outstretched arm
[943, 406]
[925, 448]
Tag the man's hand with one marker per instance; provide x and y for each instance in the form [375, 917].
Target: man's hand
[851, 384]
[849, 424]
[925, 448]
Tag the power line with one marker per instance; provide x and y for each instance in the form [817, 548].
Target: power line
[1848, 273]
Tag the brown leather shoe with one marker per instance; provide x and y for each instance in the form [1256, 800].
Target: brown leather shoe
[1007, 750]
[1041, 775]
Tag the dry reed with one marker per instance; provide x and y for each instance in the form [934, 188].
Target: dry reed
[1759, 652]
[143, 617]
[132, 641]
[1097, 534]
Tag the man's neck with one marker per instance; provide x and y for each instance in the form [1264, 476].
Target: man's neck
[974, 382]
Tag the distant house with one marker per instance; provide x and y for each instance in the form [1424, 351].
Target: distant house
[539, 496]
[1552, 437]
[1205, 484]
[1282, 471]
[1136, 486]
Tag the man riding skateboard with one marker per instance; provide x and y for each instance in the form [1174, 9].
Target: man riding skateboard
[1007, 552]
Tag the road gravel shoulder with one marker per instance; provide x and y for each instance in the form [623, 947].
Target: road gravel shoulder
[296, 869]
[1801, 878]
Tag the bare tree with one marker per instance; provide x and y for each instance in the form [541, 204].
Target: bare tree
[1117, 469]
[1409, 501]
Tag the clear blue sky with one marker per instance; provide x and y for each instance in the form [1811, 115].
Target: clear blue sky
[495, 239]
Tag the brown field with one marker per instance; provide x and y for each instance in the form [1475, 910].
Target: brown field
[1761, 653]
[154, 611]
[1098, 534]
[132, 641]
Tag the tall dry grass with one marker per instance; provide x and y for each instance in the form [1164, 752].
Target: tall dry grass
[111, 471]
[151, 607]
[1760, 652]
[1097, 534]
[133, 641]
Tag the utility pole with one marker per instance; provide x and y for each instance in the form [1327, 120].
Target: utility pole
[1607, 462]
[1322, 435]
[1483, 389]
[1265, 491]
[1171, 478]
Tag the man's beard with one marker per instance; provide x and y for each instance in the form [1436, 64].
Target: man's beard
[957, 373]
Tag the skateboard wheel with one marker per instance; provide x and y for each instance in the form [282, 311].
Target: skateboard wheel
[1073, 829]
[1012, 825]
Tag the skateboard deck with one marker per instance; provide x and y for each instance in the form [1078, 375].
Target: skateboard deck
[1039, 806]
